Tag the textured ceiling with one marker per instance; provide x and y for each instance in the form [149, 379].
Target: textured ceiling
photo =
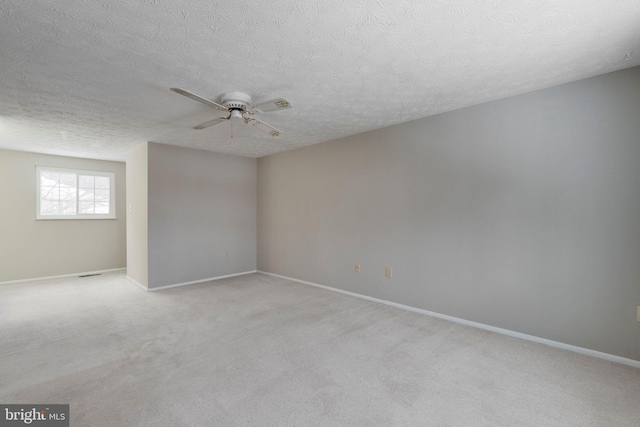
[91, 78]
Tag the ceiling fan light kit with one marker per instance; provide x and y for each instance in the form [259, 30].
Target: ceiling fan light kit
[238, 105]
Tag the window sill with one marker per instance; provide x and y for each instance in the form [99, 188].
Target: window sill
[74, 219]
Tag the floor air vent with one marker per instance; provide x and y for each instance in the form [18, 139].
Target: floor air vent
[89, 275]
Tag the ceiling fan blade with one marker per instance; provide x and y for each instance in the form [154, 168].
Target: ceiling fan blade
[198, 98]
[263, 126]
[210, 123]
[271, 105]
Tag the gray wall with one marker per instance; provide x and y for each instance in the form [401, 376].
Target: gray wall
[201, 206]
[523, 213]
[137, 215]
[31, 249]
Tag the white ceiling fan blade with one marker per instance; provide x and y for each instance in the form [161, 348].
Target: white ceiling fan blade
[198, 98]
[263, 126]
[210, 123]
[271, 105]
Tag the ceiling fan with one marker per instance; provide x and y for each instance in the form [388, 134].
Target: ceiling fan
[238, 105]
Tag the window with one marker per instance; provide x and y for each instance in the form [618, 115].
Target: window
[74, 194]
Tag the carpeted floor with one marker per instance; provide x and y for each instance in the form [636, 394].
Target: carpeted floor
[258, 350]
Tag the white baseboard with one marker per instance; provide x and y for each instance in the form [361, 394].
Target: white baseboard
[129, 278]
[62, 275]
[209, 279]
[575, 349]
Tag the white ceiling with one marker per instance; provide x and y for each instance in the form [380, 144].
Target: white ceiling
[91, 78]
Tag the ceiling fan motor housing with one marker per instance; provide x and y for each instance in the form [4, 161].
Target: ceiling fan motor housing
[235, 100]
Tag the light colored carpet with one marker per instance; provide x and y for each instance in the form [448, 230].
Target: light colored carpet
[258, 350]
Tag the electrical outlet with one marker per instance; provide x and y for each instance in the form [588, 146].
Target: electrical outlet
[387, 272]
[357, 268]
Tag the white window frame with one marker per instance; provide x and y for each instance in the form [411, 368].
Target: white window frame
[77, 172]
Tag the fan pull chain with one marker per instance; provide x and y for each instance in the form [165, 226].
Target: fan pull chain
[231, 120]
